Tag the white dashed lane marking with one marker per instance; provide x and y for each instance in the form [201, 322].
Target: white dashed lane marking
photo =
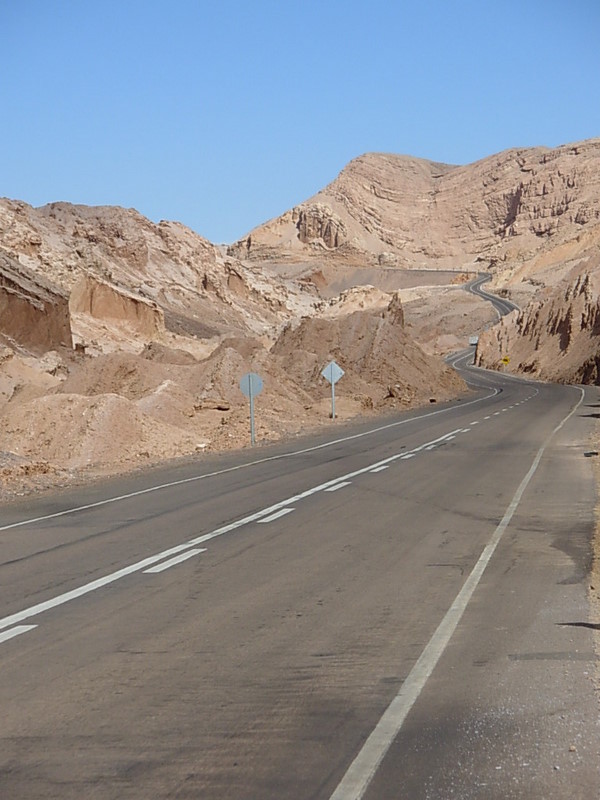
[179, 553]
[4, 637]
[272, 517]
[172, 562]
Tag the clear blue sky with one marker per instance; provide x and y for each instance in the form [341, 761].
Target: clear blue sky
[224, 114]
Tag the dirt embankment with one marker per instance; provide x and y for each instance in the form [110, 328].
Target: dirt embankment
[71, 415]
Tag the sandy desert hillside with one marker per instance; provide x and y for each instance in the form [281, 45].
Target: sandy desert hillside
[122, 343]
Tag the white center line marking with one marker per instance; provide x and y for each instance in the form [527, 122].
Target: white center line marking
[4, 637]
[176, 560]
[496, 413]
[338, 486]
[362, 770]
[380, 469]
[487, 417]
[476, 422]
[272, 517]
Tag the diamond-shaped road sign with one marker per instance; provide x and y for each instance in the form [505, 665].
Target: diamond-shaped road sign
[332, 372]
[251, 384]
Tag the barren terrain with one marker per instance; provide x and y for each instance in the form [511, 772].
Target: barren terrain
[123, 341]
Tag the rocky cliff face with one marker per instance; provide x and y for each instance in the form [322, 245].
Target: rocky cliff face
[517, 213]
[555, 337]
[33, 313]
[199, 290]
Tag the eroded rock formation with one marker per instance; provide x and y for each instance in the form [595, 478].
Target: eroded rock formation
[33, 312]
[520, 211]
[104, 301]
[555, 337]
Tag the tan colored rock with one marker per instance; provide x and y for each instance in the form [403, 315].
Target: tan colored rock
[355, 273]
[33, 313]
[382, 364]
[510, 210]
[555, 337]
[102, 300]
[201, 292]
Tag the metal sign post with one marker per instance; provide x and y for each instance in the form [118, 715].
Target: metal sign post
[251, 384]
[332, 373]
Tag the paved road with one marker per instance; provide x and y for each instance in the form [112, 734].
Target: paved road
[501, 305]
[395, 610]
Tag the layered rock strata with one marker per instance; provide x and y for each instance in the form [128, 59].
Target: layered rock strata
[33, 312]
[518, 212]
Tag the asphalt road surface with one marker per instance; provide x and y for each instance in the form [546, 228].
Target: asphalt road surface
[501, 305]
[396, 609]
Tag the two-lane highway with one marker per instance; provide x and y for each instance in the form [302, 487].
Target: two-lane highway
[395, 610]
[501, 305]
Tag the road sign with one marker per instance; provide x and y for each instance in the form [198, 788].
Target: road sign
[251, 384]
[332, 372]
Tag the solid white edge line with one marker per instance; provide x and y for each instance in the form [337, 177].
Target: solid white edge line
[362, 770]
[6, 635]
[380, 469]
[174, 561]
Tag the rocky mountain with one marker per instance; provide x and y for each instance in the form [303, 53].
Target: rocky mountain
[518, 214]
[530, 217]
[199, 290]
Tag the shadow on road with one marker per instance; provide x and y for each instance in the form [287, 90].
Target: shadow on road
[593, 626]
